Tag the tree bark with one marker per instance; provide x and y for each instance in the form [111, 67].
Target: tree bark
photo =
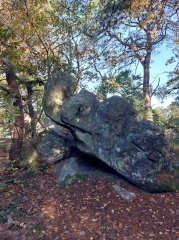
[32, 113]
[17, 138]
[146, 87]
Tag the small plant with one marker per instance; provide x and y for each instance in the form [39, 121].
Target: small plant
[42, 166]
[37, 230]
[3, 186]
[80, 175]
[12, 208]
[24, 164]
[72, 179]
[69, 180]
[170, 186]
[30, 172]
[22, 179]
[18, 181]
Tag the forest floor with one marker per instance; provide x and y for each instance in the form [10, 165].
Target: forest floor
[33, 206]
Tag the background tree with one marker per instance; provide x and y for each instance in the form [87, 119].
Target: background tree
[92, 40]
[13, 90]
[135, 30]
[17, 56]
[168, 119]
[37, 39]
[172, 85]
[126, 85]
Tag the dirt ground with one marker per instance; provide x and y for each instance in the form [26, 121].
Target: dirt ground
[34, 207]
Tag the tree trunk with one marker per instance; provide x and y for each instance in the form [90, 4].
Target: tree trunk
[17, 138]
[32, 116]
[146, 88]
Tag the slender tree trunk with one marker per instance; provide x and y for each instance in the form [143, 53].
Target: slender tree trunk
[32, 113]
[17, 138]
[146, 88]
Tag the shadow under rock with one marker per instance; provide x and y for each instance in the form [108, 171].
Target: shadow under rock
[94, 166]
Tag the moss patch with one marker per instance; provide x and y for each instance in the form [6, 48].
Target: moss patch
[72, 179]
[169, 182]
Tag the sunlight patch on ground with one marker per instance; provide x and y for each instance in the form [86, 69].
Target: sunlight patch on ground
[33, 157]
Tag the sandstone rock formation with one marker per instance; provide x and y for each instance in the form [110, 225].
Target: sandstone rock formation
[113, 132]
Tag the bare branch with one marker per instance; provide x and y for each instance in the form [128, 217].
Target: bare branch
[155, 88]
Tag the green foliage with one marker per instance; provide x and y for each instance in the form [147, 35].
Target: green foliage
[12, 208]
[126, 85]
[172, 85]
[18, 181]
[171, 185]
[3, 186]
[42, 166]
[42, 37]
[7, 110]
[38, 230]
[168, 119]
[71, 179]
[80, 175]
[131, 86]
[160, 116]
[172, 124]
[24, 177]
[30, 173]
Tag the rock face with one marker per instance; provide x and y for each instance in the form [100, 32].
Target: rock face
[56, 144]
[124, 193]
[114, 132]
[59, 88]
[68, 171]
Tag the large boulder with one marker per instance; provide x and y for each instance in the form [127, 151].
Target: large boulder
[114, 132]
